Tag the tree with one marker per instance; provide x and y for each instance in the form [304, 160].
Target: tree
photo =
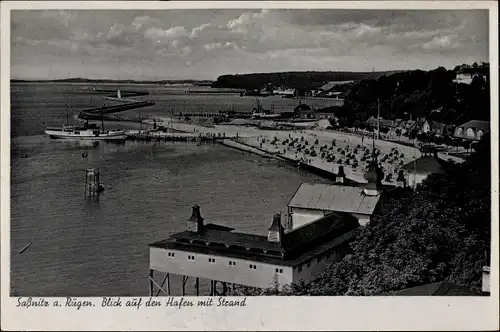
[466, 144]
[398, 133]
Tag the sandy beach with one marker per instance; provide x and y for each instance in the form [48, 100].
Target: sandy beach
[331, 148]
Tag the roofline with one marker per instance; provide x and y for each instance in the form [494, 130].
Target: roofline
[295, 193]
[343, 211]
[267, 259]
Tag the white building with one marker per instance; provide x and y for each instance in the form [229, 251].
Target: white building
[313, 201]
[217, 253]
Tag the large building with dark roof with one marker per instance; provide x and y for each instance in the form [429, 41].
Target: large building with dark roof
[472, 130]
[221, 254]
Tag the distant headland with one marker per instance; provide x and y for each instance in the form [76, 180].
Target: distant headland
[100, 81]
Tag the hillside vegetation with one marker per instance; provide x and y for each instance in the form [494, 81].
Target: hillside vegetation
[430, 94]
[303, 81]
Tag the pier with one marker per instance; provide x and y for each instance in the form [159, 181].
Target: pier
[214, 114]
[98, 111]
[171, 136]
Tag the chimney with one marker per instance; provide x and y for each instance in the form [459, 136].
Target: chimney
[340, 175]
[276, 230]
[195, 222]
[401, 181]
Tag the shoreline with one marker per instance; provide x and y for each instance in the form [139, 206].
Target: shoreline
[258, 141]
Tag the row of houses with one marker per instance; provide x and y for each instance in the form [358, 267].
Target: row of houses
[472, 130]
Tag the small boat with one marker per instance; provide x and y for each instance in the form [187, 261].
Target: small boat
[90, 132]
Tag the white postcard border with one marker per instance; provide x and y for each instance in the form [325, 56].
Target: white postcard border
[263, 313]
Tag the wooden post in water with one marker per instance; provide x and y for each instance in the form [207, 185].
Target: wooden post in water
[151, 274]
[92, 184]
[184, 280]
[168, 284]
[162, 283]
[212, 292]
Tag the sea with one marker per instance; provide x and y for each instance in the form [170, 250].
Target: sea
[99, 247]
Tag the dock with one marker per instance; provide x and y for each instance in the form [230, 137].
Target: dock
[137, 135]
[214, 114]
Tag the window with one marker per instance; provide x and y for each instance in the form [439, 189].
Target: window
[191, 258]
[253, 266]
[211, 260]
[171, 254]
[232, 263]
[279, 270]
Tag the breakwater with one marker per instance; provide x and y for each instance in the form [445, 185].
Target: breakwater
[116, 108]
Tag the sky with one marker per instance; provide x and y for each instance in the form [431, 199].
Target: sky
[204, 44]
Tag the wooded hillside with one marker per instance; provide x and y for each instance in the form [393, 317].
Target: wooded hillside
[297, 80]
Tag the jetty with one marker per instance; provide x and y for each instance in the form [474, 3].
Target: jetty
[138, 135]
[214, 114]
[117, 108]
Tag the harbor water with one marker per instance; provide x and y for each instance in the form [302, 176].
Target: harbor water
[100, 248]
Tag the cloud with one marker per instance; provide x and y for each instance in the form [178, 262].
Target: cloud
[224, 46]
[161, 34]
[61, 16]
[219, 40]
[442, 42]
[197, 30]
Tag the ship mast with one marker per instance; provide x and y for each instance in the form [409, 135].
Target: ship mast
[378, 118]
[67, 115]
[102, 118]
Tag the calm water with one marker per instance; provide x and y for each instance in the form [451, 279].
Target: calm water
[35, 106]
[84, 248]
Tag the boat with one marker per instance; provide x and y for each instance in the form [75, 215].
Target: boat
[261, 113]
[88, 132]
[256, 115]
